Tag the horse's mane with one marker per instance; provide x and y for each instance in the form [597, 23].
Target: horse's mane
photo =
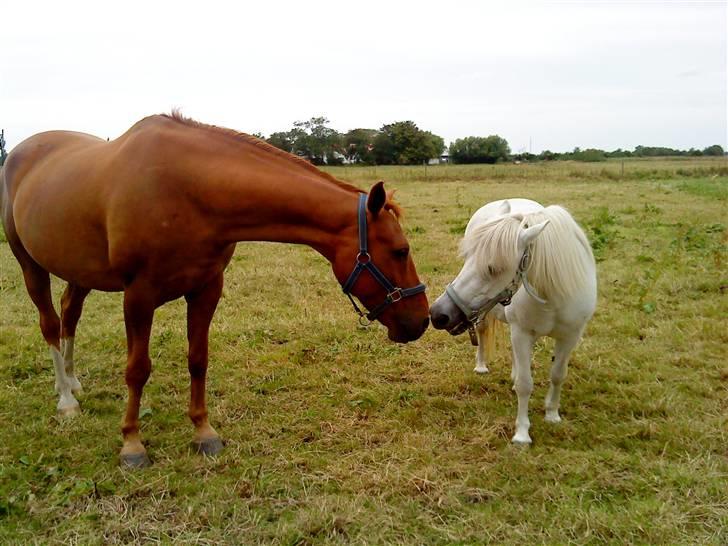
[245, 138]
[561, 256]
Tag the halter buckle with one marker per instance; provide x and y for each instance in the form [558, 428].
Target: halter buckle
[473, 335]
[395, 295]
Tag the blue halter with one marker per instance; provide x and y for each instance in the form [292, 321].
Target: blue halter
[364, 262]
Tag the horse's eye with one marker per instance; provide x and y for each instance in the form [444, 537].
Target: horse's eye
[402, 253]
[492, 272]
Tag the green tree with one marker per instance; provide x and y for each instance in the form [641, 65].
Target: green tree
[317, 142]
[403, 143]
[589, 155]
[438, 144]
[548, 155]
[358, 145]
[715, 149]
[285, 140]
[491, 149]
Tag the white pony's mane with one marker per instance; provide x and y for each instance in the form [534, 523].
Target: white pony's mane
[561, 256]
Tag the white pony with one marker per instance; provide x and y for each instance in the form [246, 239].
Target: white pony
[533, 268]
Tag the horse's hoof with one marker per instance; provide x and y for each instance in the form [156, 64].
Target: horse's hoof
[209, 447]
[68, 412]
[482, 370]
[135, 460]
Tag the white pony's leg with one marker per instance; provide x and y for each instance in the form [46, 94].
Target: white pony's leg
[522, 342]
[67, 352]
[67, 404]
[562, 351]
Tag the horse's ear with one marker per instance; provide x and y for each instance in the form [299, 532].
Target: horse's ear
[527, 235]
[505, 208]
[377, 198]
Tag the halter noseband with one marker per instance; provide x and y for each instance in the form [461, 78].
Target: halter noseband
[474, 316]
[364, 262]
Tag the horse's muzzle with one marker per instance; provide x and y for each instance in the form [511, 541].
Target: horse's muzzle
[445, 315]
[410, 332]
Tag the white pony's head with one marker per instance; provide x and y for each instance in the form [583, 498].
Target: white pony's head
[493, 252]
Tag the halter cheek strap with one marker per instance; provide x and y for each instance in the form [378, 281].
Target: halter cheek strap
[473, 316]
[364, 262]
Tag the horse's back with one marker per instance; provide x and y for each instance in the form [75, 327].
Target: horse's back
[54, 188]
[92, 211]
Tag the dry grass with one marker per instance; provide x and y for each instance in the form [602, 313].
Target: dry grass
[335, 435]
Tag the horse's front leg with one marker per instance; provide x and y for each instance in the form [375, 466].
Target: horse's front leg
[138, 315]
[522, 342]
[201, 307]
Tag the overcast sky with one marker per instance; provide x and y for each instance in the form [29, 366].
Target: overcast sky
[604, 74]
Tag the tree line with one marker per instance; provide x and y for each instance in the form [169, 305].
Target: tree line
[399, 143]
[404, 143]
[595, 154]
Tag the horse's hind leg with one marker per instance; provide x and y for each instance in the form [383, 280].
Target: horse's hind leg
[37, 281]
[562, 351]
[201, 307]
[71, 307]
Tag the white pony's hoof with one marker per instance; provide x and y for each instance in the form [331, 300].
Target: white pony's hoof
[481, 369]
[552, 417]
[522, 439]
[69, 411]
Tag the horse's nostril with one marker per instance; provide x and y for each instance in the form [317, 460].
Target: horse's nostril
[440, 321]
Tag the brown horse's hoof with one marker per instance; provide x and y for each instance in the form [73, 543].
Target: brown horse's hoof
[209, 447]
[71, 411]
[135, 460]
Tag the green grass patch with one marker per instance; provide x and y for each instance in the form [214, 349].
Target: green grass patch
[335, 435]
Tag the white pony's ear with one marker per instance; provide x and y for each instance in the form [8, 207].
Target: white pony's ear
[528, 235]
[505, 208]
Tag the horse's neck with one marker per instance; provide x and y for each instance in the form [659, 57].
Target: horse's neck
[282, 204]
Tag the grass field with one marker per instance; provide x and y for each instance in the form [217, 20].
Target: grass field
[335, 435]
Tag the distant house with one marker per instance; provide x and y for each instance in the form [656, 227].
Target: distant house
[444, 158]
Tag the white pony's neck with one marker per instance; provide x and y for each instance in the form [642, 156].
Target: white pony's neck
[562, 263]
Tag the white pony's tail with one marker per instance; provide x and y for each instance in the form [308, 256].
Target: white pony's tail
[493, 330]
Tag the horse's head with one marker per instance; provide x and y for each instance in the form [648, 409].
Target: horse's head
[494, 254]
[374, 263]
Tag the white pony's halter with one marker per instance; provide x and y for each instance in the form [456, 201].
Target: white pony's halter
[474, 315]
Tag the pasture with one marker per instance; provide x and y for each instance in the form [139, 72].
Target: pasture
[336, 435]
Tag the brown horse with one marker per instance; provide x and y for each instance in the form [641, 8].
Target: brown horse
[157, 213]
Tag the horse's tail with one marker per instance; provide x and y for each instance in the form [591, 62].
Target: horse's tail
[2, 189]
